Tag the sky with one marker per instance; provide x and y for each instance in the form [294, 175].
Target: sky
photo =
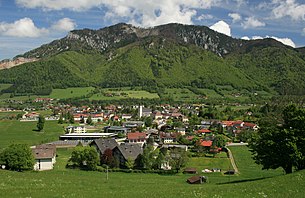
[27, 24]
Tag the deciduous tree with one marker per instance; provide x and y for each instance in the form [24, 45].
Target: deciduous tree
[282, 145]
[40, 123]
[17, 157]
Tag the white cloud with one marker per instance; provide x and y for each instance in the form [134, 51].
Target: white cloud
[245, 38]
[204, 17]
[64, 25]
[290, 8]
[240, 2]
[257, 37]
[235, 16]
[21, 28]
[143, 13]
[252, 22]
[222, 27]
[285, 41]
[75, 5]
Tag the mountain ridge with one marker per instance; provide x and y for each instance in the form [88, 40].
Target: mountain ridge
[170, 55]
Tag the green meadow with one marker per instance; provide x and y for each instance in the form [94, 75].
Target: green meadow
[251, 181]
[62, 182]
[123, 94]
[70, 92]
[13, 131]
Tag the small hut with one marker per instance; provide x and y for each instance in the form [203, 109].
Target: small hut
[190, 170]
[197, 179]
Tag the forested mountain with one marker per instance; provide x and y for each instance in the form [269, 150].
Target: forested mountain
[171, 55]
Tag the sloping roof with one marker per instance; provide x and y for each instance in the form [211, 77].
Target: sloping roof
[103, 144]
[196, 179]
[130, 151]
[248, 124]
[204, 131]
[136, 136]
[45, 151]
[168, 135]
[190, 170]
[228, 123]
[207, 143]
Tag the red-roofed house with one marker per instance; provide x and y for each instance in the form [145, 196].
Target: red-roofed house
[206, 143]
[204, 131]
[227, 123]
[136, 137]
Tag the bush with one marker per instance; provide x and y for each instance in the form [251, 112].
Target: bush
[17, 157]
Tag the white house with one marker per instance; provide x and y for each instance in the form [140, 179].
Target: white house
[76, 129]
[45, 157]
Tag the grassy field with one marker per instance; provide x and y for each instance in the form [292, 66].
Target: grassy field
[220, 161]
[62, 182]
[24, 132]
[178, 94]
[4, 86]
[123, 94]
[70, 92]
[246, 166]
[7, 114]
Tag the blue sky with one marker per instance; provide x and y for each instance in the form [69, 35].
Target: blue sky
[27, 24]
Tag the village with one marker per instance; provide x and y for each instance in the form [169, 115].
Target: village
[122, 136]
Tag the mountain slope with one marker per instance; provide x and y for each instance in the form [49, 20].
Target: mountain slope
[278, 68]
[171, 55]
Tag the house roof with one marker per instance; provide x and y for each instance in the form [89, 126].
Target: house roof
[168, 135]
[248, 124]
[228, 123]
[194, 179]
[129, 151]
[207, 143]
[136, 136]
[204, 131]
[190, 170]
[44, 151]
[103, 144]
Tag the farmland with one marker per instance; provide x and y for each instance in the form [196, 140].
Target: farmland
[70, 92]
[174, 94]
[24, 132]
[63, 182]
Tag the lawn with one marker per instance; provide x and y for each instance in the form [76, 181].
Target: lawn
[13, 131]
[123, 94]
[179, 94]
[220, 161]
[8, 114]
[62, 182]
[70, 92]
[246, 166]
[4, 86]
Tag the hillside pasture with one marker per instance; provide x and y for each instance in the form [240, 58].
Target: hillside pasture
[70, 92]
[179, 94]
[9, 114]
[113, 94]
[13, 131]
[62, 182]
[247, 167]
[4, 86]
[220, 161]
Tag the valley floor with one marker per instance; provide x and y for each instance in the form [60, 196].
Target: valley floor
[62, 182]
